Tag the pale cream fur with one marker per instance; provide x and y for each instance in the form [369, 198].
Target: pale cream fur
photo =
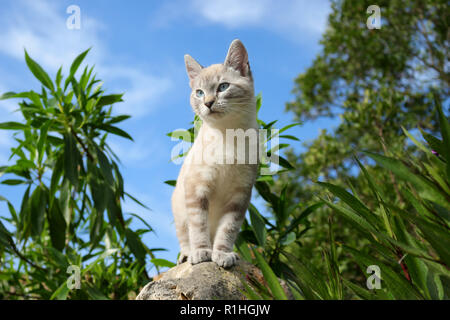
[211, 197]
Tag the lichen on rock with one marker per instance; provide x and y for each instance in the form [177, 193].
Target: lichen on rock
[203, 281]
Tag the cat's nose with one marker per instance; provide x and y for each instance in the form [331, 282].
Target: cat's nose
[209, 103]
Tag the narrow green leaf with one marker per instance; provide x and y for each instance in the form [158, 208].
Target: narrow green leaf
[39, 199]
[135, 245]
[163, 263]
[13, 182]
[352, 202]
[43, 139]
[395, 281]
[5, 236]
[61, 293]
[39, 73]
[303, 215]
[71, 159]
[290, 137]
[57, 226]
[74, 67]
[171, 182]
[258, 225]
[108, 100]
[11, 125]
[445, 132]
[242, 247]
[425, 188]
[272, 281]
[115, 130]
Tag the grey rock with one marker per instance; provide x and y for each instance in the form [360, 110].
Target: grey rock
[203, 281]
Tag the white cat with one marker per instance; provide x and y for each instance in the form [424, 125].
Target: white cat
[211, 197]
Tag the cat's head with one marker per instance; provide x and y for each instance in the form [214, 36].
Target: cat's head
[222, 92]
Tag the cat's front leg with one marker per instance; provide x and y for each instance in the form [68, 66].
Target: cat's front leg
[197, 212]
[227, 231]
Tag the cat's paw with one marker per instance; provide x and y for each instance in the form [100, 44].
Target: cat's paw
[225, 259]
[183, 257]
[199, 255]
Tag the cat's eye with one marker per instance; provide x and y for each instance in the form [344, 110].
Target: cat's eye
[223, 86]
[199, 93]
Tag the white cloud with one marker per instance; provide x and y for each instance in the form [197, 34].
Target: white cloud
[40, 27]
[142, 90]
[232, 13]
[300, 20]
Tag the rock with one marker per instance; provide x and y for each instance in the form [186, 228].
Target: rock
[203, 281]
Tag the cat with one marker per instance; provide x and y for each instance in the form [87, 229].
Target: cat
[211, 196]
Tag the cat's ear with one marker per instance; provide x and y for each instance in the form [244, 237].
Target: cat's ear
[237, 58]
[193, 68]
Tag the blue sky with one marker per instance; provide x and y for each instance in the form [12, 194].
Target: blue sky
[138, 48]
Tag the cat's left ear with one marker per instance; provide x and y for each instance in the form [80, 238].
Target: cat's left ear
[237, 58]
[193, 68]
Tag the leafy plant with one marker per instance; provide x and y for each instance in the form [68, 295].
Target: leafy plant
[265, 239]
[71, 211]
[410, 237]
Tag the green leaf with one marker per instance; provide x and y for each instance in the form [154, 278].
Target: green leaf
[184, 135]
[270, 277]
[258, 225]
[95, 293]
[105, 166]
[57, 226]
[38, 72]
[11, 125]
[137, 201]
[290, 137]
[445, 132]
[434, 143]
[74, 67]
[352, 202]
[356, 220]
[425, 188]
[13, 182]
[284, 163]
[96, 227]
[289, 126]
[61, 293]
[5, 236]
[163, 263]
[398, 286]
[39, 199]
[142, 220]
[308, 277]
[115, 130]
[135, 245]
[118, 119]
[58, 77]
[361, 292]
[108, 100]
[171, 182]
[303, 215]
[436, 235]
[242, 247]
[258, 102]
[43, 139]
[71, 159]
[101, 257]
[288, 238]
